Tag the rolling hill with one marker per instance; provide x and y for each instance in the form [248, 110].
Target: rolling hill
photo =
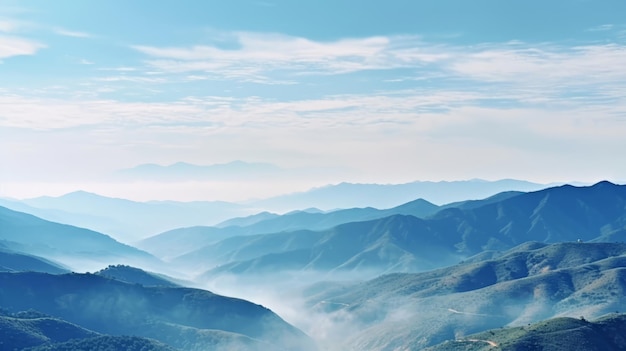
[181, 317]
[527, 284]
[34, 331]
[558, 334]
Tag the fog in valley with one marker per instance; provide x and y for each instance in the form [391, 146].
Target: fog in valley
[388, 280]
[312, 175]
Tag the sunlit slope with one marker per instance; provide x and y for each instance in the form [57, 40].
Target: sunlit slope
[559, 334]
[527, 284]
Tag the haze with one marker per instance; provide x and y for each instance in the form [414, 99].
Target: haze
[325, 91]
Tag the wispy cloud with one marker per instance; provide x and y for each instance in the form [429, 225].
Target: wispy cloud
[548, 69]
[257, 54]
[17, 46]
[71, 33]
[601, 28]
[524, 63]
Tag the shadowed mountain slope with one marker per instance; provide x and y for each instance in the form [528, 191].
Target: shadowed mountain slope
[73, 246]
[380, 245]
[112, 307]
[13, 261]
[124, 219]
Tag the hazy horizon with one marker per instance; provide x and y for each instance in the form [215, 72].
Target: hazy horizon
[338, 91]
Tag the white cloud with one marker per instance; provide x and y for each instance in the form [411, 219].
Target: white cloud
[259, 53]
[16, 46]
[530, 73]
[387, 137]
[544, 65]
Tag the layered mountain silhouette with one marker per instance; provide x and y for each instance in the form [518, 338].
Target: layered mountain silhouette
[123, 219]
[13, 261]
[350, 195]
[180, 241]
[408, 243]
[129, 221]
[181, 317]
[75, 247]
[558, 334]
[527, 284]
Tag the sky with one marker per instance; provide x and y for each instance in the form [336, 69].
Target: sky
[328, 91]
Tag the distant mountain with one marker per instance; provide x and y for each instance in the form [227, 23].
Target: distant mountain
[174, 243]
[126, 220]
[247, 220]
[558, 334]
[181, 171]
[12, 261]
[130, 221]
[527, 284]
[324, 220]
[181, 241]
[75, 247]
[350, 195]
[180, 317]
[407, 243]
[134, 275]
[469, 204]
[377, 246]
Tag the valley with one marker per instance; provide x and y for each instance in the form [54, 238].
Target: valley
[476, 274]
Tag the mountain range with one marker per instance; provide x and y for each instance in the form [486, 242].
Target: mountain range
[180, 241]
[129, 221]
[123, 219]
[515, 270]
[404, 242]
[350, 195]
[527, 284]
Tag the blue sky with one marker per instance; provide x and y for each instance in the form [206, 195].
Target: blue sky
[362, 91]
